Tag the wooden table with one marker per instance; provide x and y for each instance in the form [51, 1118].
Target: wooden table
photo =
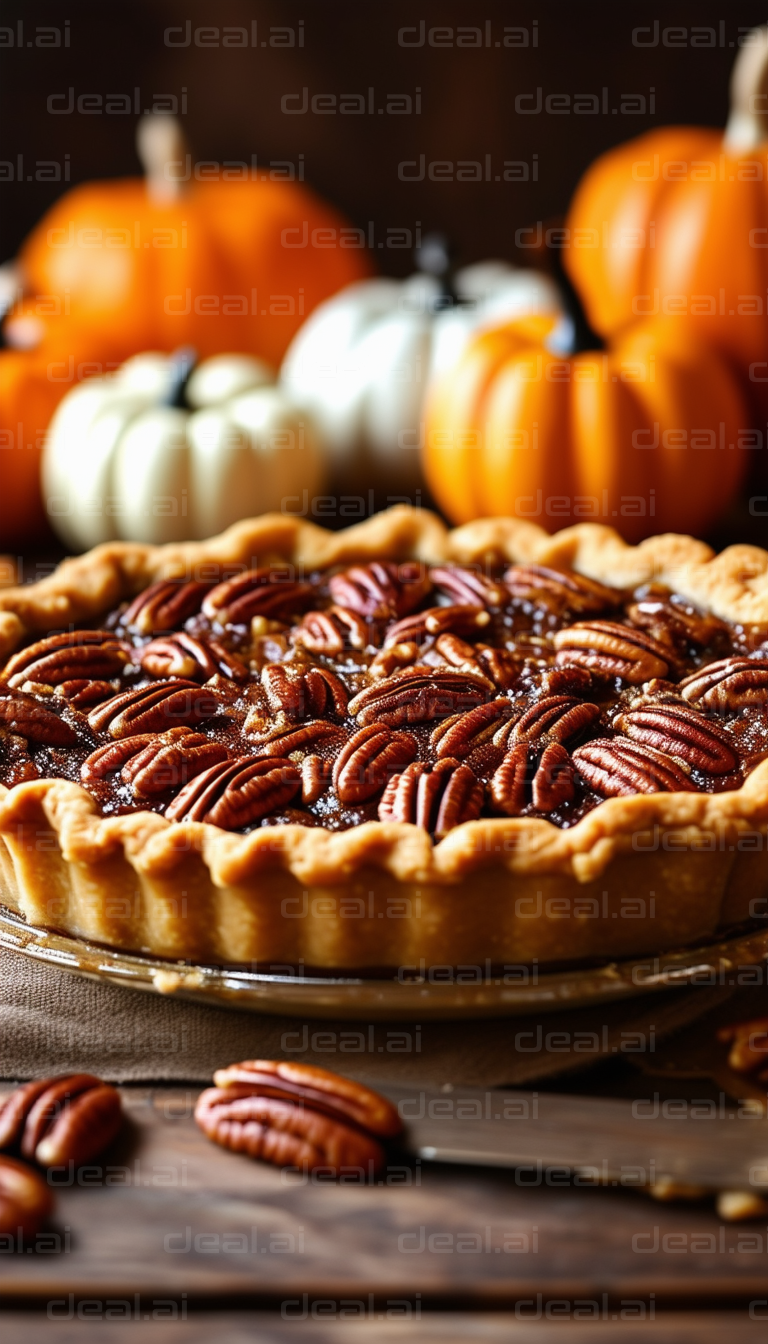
[167, 1229]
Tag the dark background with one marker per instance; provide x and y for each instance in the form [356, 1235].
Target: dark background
[467, 99]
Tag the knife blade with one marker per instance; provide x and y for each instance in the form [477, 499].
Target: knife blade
[713, 1144]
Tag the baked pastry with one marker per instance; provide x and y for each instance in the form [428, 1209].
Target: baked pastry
[387, 747]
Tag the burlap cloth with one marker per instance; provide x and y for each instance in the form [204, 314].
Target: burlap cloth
[52, 1021]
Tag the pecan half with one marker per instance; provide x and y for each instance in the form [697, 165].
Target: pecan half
[616, 769]
[183, 655]
[259, 592]
[557, 591]
[664, 617]
[381, 589]
[393, 659]
[18, 766]
[83, 694]
[330, 632]
[283, 1133]
[309, 1086]
[295, 691]
[69, 1118]
[371, 755]
[438, 799]
[462, 733]
[559, 717]
[566, 680]
[151, 709]
[236, 793]
[468, 586]
[613, 650]
[464, 619]
[82, 653]
[284, 739]
[164, 605]
[315, 778]
[680, 731]
[523, 777]
[419, 694]
[25, 715]
[25, 1200]
[730, 683]
[153, 763]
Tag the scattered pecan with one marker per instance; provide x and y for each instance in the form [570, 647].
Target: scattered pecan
[438, 799]
[285, 739]
[382, 589]
[151, 709]
[315, 778]
[69, 1118]
[616, 769]
[730, 683]
[566, 680]
[559, 717]
[297, 690]
[153, 763]
[330, 632]
[545, 781]
[393, 659]
[500, 665]
[183, 655]
[468, 586]
[419, 694]
[259, 592]
[164, 605]
[557, 591]
[458, 653]
[82, 653]
[681, 731]
[667, 617]
[749, 1046]
[237, 792]
[464, 619]
[24, 715]
[463, 733]
[83, 694]
[25, 1199]
[613, 650]
[368, 759]
[296, 1115]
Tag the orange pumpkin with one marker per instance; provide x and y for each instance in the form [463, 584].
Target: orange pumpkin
[647, 436]
[675, 224]
[217, 264]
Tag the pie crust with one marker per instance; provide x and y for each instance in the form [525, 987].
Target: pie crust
[636, 874]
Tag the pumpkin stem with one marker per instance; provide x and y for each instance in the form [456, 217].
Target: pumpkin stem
[160, 145]
[433, 257]
[748, 122]
[584, 337]
[183, 362]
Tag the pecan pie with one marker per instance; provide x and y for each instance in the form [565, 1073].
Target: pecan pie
[388, 746]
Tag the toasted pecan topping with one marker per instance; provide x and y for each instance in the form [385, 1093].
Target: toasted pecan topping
[152, 709]
[419, 694]
[558, 591]
[523, 778]
[257, 592]
[559, 717]
[438, 799]
[164, 605]
[459, 618]
[183, 655]
[154, 763]
[680, 731]
[297, 691]
[371, 755]
[330, 632]
[613, 650]
[381, 590]
[283, 739]
[83, 693]
[616, 768]
[663, 617]
[469, 586]
[461, 734]
[236, 793]
[25, 715]
[729, 684]
[75, 654]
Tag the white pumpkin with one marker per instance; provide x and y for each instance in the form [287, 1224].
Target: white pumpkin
[362, 361]
[121, 461]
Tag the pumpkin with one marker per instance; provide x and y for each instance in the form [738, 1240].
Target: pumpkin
[362, 362]
[162, 451]
[646, 436]
[219, 264]
[675, 224]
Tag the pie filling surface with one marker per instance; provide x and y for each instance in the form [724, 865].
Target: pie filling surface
[387, 691]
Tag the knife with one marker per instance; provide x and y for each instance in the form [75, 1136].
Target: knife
[552, 1139]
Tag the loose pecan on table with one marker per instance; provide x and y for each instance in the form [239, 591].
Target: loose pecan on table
[297, 1115]
[69, 1118]
[436, 798]
[95, 654]
[259, 592]
[152, 709]
[546, 781]
[237, 792]
[164, 605]
[330, 632]
[559, 717]
[617, 768]
[678, 730]
[458, 618]
[557, 591]
[25, 1200]
[381, 590]
[728, 684]
[369, 758]
[153, 763]
[183, 655]
[296, 691]
[613, 650]
[461, 734]
[419, 694]
[26, 716]
[468, 586]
